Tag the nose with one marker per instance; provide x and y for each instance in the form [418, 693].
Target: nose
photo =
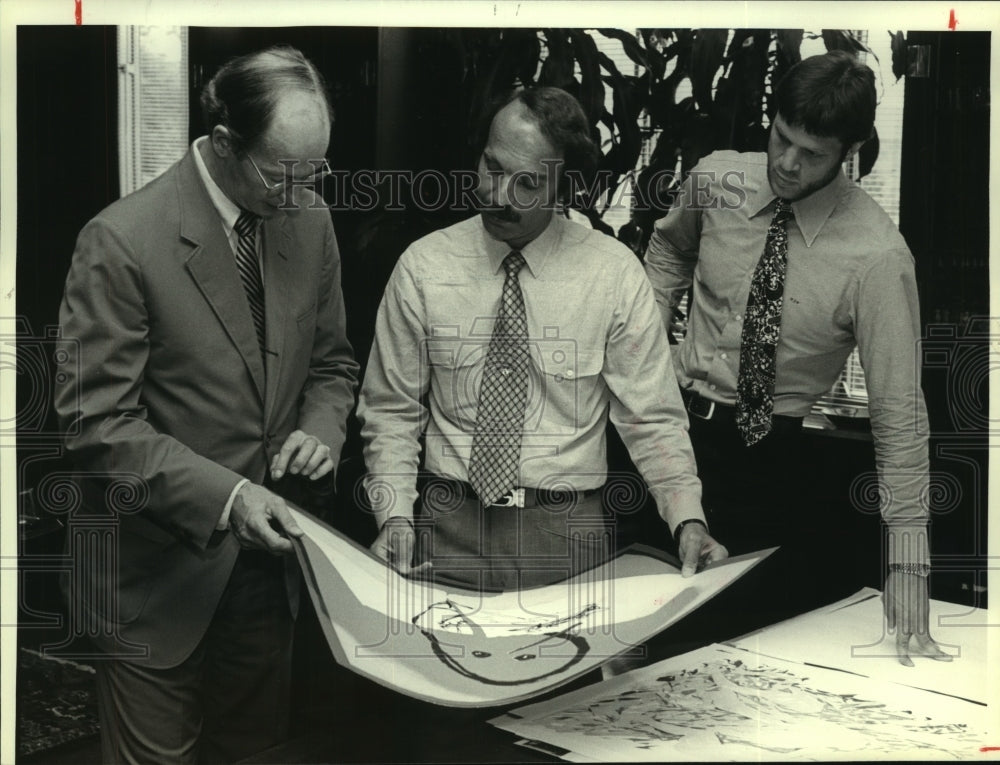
[788, 162]
[501, 189]
[494, 189]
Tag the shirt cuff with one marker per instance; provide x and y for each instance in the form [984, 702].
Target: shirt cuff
[223, 523]
[389, 500]
[908, 544]
[676, 507]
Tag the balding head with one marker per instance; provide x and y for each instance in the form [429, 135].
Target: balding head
[244, 94]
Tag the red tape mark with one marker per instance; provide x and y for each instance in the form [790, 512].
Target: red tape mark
[989, 749]
[79, 12]
[952, 21]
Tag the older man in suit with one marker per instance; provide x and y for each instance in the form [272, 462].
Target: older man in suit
[213, 364]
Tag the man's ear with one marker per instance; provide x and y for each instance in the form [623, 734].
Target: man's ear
[853, 149]
[222, 141]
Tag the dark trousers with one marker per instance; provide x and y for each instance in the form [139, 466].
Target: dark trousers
[226, 701]
[753, 496]
[506, 548]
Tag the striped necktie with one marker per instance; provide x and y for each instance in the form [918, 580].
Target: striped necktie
[249, 268]
[503, 395]
[761, 332]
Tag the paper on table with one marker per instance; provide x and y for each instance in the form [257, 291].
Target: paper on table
[720, 703]
[554, 751]
[465, 648]
[852, 636]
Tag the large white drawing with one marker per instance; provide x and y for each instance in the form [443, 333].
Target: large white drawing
[721, 703]
[466, 648]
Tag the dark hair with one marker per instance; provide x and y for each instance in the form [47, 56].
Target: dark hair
[561, 119]
[830, 95]
[243, 94]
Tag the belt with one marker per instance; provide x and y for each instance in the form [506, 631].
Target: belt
[707, 409]
[523, 496]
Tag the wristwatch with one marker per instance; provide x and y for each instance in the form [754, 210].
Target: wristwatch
[682, 524]
[920, 569]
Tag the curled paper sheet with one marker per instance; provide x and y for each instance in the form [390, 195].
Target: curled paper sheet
[461, 647]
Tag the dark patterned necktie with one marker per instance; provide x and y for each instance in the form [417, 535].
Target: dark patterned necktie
[503, 394]
[761, 330]
[249, 268]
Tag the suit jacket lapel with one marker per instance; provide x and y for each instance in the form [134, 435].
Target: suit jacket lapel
[278, 275]
[212, 265]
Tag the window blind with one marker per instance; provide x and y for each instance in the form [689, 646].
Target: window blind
[153, 101]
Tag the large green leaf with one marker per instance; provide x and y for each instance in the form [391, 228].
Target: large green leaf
[661, 99]
[787, 53]
[706, 58]
[740, 107]
[623, 156]
[510, 58]
[630, 45]
[557, 69]
[841, 39]
[657, 62]
[898, 54]
[867, 155]
[789, 45]
[591, 87]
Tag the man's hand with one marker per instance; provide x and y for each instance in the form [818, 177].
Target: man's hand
[395, 545]
[259, 517]
[907, 611]
[697, 549]
[302, 454]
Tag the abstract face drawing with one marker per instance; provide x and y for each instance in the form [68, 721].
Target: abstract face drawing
[530, 652]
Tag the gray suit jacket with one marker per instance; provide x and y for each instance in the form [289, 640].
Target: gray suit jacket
[168, 386]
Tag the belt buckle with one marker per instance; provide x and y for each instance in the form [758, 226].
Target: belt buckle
[513, 498]
[694, 408]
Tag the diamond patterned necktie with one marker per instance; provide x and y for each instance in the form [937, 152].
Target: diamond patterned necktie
[249, 268]
[761, 330]
[503, 394]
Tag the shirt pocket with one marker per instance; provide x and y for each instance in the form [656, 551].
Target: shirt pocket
[456, 372]
[565, 386]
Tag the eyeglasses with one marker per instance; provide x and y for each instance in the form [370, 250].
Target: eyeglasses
[274, 190]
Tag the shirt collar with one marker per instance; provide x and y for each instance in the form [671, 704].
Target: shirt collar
[536, 252]
[810, 213]
[227, 209]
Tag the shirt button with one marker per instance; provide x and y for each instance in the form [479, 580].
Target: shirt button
[723, 356]
[738, 317]
[711, 386]
[569, 373]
